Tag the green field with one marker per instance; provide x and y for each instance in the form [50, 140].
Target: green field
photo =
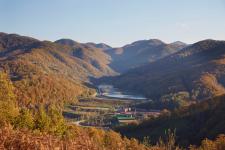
[93, 109]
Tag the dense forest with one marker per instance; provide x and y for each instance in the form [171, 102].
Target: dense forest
[191, 124]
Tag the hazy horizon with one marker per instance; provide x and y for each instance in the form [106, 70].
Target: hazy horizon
[115, 22]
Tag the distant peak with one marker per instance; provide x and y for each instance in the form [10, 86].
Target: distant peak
[99, 45]
[3, 34]
[207, 41]
[68, 42]
[178, 43]
[150, 42]
[16, 39]
[155, 41]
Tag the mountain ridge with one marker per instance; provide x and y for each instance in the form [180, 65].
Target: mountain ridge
[196, 68]
[44, 71]
[139, 53]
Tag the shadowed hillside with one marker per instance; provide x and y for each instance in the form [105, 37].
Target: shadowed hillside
[196, 71]
[191, 124]
[141, 52]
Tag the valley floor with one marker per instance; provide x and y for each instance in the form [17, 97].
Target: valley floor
[107, 112]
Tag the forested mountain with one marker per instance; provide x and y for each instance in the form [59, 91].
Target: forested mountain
[141, 52]
[191, 124]
[44, 71]
[90, 54]
[196, 72]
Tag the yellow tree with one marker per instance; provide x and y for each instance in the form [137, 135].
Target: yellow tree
[8, 105]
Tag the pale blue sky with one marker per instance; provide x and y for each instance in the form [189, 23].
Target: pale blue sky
[115, 22]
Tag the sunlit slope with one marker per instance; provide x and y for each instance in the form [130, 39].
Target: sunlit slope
[44, 71]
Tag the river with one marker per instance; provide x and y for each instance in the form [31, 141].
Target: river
[111, 92]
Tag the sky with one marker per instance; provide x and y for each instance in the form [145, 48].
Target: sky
[115, 22]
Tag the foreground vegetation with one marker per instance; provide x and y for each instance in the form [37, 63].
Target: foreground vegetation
[93, 139]
[43, 126]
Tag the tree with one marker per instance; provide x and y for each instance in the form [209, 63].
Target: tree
[57, 124]
[25, 119]
[112, 140]
[8, 105]
[42, 120]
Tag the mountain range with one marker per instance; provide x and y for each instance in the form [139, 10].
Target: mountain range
[43, 68]
[196, 71]
[45, 71]
[141, 52]
[150, 67]
[61, 72]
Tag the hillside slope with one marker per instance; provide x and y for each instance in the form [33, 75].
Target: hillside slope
[197, 70]
[44, 71]
[192, 124]
[141, 52]
[92, 54]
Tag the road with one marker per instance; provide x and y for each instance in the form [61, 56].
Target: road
[78, 122]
